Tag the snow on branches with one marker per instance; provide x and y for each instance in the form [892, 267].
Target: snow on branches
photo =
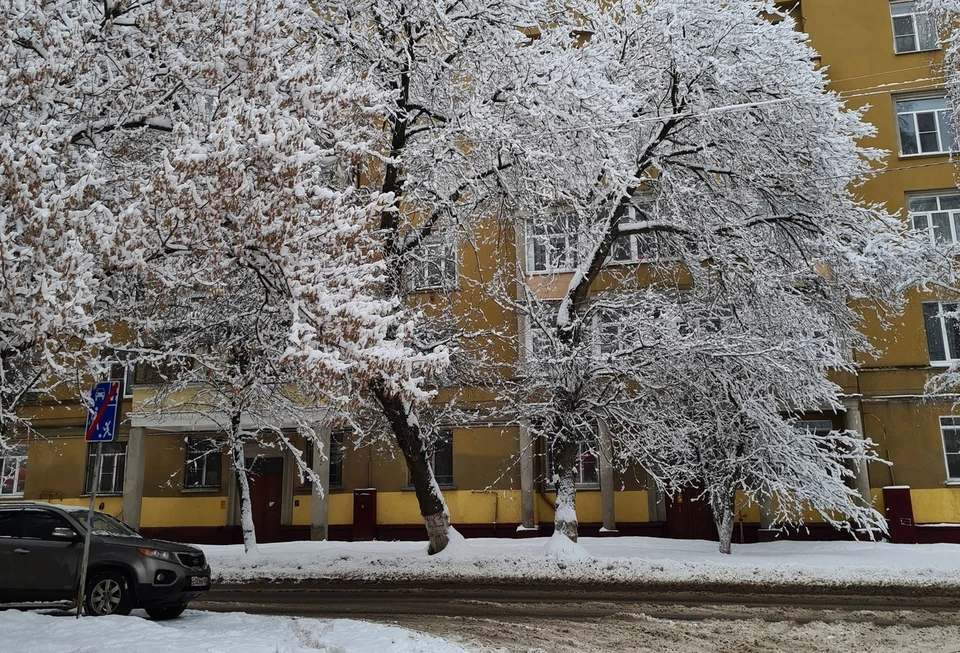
[700, 139]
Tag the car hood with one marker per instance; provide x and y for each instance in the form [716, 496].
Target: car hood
[148, 543]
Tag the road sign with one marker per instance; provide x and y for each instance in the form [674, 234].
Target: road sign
[102, 418]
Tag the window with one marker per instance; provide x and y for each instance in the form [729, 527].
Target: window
[943, 332]
[913, 31]
[126, 374]
[950, 430]
[938, 215]
[441, 458]
[13, 471]
[39, 525]
[552, 243]
[10, 523]
[815, 426]
[586, 470]
[924, 125]
[204, 463]
[607, 333]
[111, 468]
[632, 248]
[336, 459]
[434, 265]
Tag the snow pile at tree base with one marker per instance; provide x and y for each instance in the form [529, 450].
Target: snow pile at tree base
[561, 546]
[634, 560]
[209, 632]
[456, 546]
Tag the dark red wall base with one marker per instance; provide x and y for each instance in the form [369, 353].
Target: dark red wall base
[750, 533]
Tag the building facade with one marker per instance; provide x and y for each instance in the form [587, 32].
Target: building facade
[164, 476]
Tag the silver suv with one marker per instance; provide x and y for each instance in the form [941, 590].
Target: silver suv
[41, 548]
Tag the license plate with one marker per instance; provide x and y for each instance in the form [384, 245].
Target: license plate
[199, 581]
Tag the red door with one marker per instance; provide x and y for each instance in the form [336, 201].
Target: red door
[266, 496]
[689, 516]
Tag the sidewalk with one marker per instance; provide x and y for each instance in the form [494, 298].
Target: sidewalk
[607, 561]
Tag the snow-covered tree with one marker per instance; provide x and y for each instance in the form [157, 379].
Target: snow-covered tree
[450, 67]
[54, 226]
[700, 139]
[226, 149]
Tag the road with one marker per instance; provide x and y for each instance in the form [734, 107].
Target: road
[617, 618]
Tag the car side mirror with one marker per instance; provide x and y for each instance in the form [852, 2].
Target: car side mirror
[64, 533]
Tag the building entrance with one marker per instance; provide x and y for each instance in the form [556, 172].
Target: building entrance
[266, 496]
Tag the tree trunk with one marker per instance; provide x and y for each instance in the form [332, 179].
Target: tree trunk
[564, 455]
[723, 517]
[406, 429]
[246, 511]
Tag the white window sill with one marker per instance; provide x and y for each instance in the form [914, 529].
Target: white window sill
[544, 273]
[942, 363]
[953, 482]
[936, 49]
[11, 496]
[921, 155]
[199, 490]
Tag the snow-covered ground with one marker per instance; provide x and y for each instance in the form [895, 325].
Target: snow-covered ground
[207, 632]
[612, 559]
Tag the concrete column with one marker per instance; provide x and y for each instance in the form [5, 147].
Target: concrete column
[320, 501]
[133, 476]
[607, 496]
[853, 421]
[527, 512]
[656, 503]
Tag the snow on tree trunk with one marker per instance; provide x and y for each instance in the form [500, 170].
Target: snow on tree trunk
[564, 461]
[246, 510]
[723, 517]
[406, 429]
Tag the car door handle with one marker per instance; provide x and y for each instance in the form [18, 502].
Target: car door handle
[21, 551]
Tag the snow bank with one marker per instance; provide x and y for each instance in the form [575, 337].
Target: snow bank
[561, 546]
[209, 632]
[607, 560]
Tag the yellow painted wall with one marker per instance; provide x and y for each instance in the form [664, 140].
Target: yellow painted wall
[935, 506]
[629, 506]
[184, 511]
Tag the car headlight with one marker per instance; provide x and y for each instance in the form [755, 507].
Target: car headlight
[154, 553]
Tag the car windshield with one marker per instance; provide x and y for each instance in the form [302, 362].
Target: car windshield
[104, 524]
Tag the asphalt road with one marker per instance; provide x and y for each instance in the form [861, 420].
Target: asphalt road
[617, 618]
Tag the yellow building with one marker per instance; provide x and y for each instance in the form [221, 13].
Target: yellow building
[879, 53]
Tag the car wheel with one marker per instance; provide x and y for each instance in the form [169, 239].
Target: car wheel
[166, 612]
[108, 593]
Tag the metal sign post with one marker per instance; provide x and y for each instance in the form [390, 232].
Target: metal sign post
[101, 427]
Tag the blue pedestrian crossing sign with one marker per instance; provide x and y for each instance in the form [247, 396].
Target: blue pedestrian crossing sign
[102, 417]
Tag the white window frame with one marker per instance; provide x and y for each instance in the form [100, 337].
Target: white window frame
[202, 458]
[531, 326]
[923, 220]
[435, 254]
[953, 425]
[109, 461]
[943, 121]
[923, 26]
[606, 333]
[944, 333]
[635, 254]
[445, 434]
[818, 426]
[16, 458]
[565, 241]
[584, 449]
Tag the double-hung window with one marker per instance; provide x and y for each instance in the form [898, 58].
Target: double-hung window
[943, 332]
[607, 333]
[551, 243]
[442, 458]
[938, 215]
[950, 431]
[13, 471]
[204, 464]
[112, 466]
[434, 264]
[539, 335]
[586, 470]
[924, 126]
[913, 30]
